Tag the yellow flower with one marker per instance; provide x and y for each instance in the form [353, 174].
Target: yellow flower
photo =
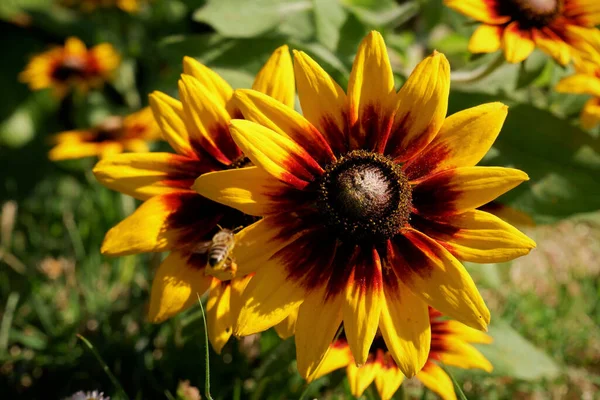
[560, 28]
[450, 345]
[585, 81]
[175, 218]
[114, 135]
[130, 6]
[372, 203]
[73, 65]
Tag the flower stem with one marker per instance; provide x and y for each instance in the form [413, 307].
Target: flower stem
[474, 75]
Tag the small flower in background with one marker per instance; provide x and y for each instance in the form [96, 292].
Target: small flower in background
[558, 27]
[112, 136]
[373, 205]
[174, 217]
[95, 395]
[185, 391]
[62, 68]
[450, 345]
[130, 6]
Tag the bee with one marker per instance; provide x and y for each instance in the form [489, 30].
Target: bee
[219, 261]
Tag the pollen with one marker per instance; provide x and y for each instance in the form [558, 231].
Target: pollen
[364, 196]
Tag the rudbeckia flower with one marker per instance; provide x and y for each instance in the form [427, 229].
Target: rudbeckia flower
[373, 202]
[73, 65]
[175, 218]
[113, 135]
[557, 27]
[585, 81]
[450, 345]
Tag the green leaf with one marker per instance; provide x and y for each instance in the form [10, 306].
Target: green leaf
[386, 15]
[329, 19]
[514, 356]
[244, 19]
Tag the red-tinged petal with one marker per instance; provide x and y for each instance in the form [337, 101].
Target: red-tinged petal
[458, 190]
[486, 39]
[276, 154]
[439, 279]
[371, 94]
[476, 236]
[362, 304]
[585, 12]
[360, 378]
[517, 43]
[481, 10]
[319, 318]
[276, 78]
[149, 174]
[338, 356]
[323, 101]
[422, 105]
[388, 380]
[552, 44]
[174, 220]
[216, 85]
[168, 113]
[177, 284]
[218, 314]
[463, 140]
[436, 380]
[270, 113]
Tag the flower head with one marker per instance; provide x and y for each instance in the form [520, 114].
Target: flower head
[73, 65]
[175, 218]
[450, 345]
[113, 135]
[557, 27]
[369, 200]
[95, 395]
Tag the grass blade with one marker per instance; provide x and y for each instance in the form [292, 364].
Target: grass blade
[207, 361]
[7, 318]
[459, 392]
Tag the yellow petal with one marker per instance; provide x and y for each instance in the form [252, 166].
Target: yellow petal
[460, 354]
[480, 10]
[422, 105]
[436, 380]
[206, 120]
[370, 90]
[286, 328]
[486, 39]
[270, 113]
[517, 43]
[590, 115]
[276, 77]
[75, 47]
[439, 279]
[463, 140]
[216, 85]
[276, 154]
[168, 113]
[586, 11]
[405, 327]
[360, 378]
[176, 286]
[250, 190]
[468, 334]
[387, 381]
[552, 44]
[338, 356]
[478, 236]
[218, 314]
[71, 151]
[323, 101]
[461, 189]
[147, 174]
[238, 285]
[579, 84]
[318, 321]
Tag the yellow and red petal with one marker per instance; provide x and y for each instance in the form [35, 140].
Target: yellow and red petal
[552, 44]
[579, 84]
[220, 89]
[319, 318]
[360, 378]
[486, 39]
[206, 120]
[458, 190]
[387, 381]
[278, 155]
[438, 381]
[370, 94]
[481, 10]
[286, 328]
[405, 327]
[456, 352]
[177, 284]
[276, 77]
[338, 356]
[218, 314]
[168, 113]
[163, 222]
[517, 43]
[323, 101]
[270, 113]
[463, 140]
[590, 115]
[364, 299]
[476, 236]
[145, 175]
[439, 279]
[422, 105]
[585, 12]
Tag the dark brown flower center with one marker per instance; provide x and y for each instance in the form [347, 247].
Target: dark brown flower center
[110, 129]
[364, 197]
[70, 67]
[531, 13]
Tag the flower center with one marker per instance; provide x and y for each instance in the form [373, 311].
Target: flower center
[532, 13]
[69, 67]
[110, 129]
[364, 196]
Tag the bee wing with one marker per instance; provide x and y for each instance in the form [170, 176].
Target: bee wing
[202, 247]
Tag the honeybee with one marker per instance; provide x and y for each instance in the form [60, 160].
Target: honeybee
[219, 261]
